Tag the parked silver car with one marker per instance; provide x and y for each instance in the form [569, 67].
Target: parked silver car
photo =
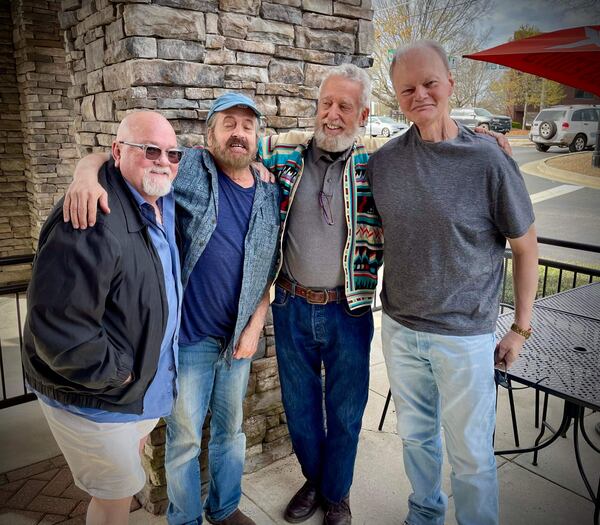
[572, 126]
[480, 117]
[385, 126]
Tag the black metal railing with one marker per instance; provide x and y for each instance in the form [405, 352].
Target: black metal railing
[554, 277]
[12, 378]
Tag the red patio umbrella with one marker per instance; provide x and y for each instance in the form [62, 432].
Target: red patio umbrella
[569, 56]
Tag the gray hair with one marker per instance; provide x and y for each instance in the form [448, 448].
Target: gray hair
[420, 44]
[356, 74]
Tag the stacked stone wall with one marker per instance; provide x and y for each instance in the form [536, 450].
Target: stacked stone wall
[15, 234]
[46, 111]
[177, 56]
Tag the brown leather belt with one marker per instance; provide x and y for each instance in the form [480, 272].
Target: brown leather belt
[312, 295]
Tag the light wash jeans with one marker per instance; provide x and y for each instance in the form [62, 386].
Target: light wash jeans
[448, 381]
[206, 381]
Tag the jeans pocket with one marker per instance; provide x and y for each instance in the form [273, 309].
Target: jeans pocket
[357, 312]
[281, 296]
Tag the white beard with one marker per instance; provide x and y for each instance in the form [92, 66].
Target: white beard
[156, 186]
[334, 144]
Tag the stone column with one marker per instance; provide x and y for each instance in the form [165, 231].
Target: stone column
[15, 238]
[46, 111]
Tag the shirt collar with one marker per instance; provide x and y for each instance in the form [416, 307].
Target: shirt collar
[317, 154]
[140, 201]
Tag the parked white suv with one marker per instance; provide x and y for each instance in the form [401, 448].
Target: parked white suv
[573, 126]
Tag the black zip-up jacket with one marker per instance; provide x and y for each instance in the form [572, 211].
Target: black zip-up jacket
[96, 307]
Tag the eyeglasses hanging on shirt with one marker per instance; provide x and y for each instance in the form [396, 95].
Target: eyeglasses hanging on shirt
[325, 203]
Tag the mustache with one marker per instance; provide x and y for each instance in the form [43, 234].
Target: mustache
[158, 170]
[239, 141]
[333, 123]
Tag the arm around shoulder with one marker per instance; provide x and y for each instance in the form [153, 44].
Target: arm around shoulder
[85, 193]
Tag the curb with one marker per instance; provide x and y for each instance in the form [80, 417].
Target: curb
[540, 168]
[520, 142]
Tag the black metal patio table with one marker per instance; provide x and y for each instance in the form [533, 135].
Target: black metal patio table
[562, 359]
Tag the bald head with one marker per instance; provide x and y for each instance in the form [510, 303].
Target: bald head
[140, 122]
[423, 85]
[422, 47]
[139, 134]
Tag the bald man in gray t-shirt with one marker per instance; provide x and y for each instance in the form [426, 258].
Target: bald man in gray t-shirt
[449, 200]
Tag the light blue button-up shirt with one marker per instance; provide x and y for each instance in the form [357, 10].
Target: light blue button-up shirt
[162, 391]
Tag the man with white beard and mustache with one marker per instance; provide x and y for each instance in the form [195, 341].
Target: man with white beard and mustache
[331, 248]
[100, 345]
[228, 221]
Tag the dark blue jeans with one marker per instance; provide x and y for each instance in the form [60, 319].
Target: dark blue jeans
[325, 438]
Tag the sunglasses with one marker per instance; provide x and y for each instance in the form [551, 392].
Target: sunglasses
[152, 152]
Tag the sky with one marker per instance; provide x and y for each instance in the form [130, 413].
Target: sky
[547, 15]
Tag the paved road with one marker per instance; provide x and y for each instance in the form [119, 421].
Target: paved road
[564, 213]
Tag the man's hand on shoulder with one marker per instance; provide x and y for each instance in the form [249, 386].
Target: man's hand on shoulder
[81, 203]
[500, 139]
[264, 174]
[81, 200]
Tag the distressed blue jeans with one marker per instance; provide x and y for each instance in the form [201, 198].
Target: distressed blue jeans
[206, 381]
[441, 380]
[307, 336]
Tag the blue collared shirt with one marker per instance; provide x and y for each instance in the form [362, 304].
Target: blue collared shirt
[162, 391]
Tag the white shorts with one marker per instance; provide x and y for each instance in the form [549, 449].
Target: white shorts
[104, 458]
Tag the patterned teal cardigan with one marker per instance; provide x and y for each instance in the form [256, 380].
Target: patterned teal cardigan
[283, 155]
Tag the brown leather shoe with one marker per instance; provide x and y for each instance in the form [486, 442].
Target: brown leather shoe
[303, 505]
[237, 517]
[338, 513]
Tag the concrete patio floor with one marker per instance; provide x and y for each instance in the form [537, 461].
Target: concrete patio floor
[551, 493]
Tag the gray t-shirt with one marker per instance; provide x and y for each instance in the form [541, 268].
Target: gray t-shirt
[313, 250]
[447, 209]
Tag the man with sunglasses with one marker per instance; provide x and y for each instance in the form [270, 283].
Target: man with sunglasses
[228, 221]
[100, 345]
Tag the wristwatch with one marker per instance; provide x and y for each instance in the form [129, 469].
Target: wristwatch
[521, 331]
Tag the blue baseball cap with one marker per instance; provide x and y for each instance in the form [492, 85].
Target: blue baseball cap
[231, 100]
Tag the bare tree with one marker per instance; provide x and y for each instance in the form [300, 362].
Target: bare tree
[473, 79]
[399, 22]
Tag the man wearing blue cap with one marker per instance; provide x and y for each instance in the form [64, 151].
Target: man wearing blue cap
[228, 220]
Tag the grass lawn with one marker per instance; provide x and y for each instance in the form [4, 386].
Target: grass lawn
[551, 278]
